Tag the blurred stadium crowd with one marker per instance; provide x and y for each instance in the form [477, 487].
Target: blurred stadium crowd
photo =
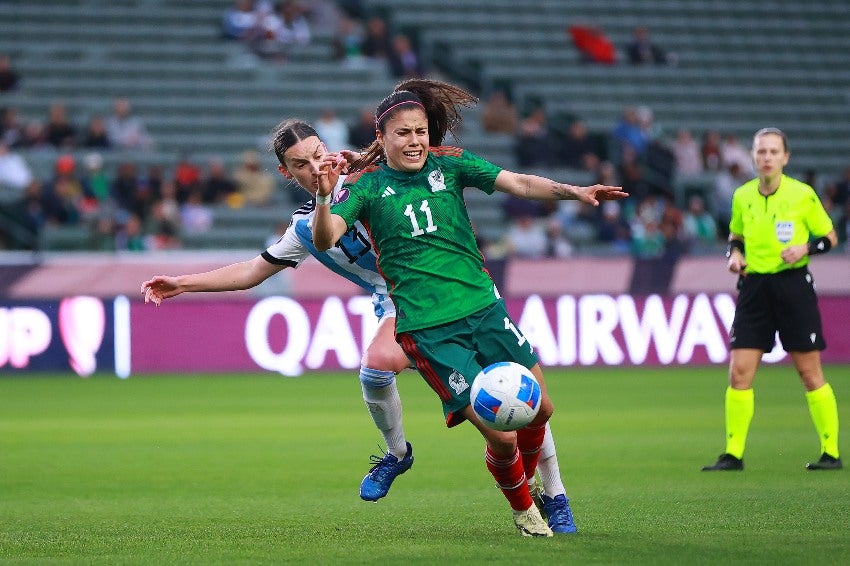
[106, 178]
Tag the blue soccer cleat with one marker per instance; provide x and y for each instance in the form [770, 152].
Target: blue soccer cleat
[559, 514]
[377, 482]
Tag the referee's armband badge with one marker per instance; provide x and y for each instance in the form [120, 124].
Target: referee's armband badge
[784, 231]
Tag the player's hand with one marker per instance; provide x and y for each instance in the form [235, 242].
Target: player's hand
[793, 254]
[160, 288]
[737, 263]
[350, 157]
[595, 193]
[333, 165]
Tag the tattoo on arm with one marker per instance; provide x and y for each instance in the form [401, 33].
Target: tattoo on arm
[560, 191]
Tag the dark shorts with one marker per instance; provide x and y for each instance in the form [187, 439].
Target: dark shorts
[449, 356]
[783, 302]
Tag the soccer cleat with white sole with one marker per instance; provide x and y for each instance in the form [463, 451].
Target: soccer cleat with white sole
[531, 524]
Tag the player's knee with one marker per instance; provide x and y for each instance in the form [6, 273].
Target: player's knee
[373, 378]
[385, 359]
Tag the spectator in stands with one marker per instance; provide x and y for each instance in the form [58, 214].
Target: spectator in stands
[242, 19]
[34, 137]
[634, 181]
[125, 130]
[59, 131]
[187, 178]
[499, 115]
[348, 43]
[404, 61]
[525, 237]
[102, 230]
[642, 51]
[686, 153]
[218, 185]
[15, 173]
[557, 244]
[629, 134]
[577, 149]
[333, 131]
[129, 235]
[731, 151]
[167, 202]
[362, 132]
[195, 216]
[33, 206]
[96, 136]
[154, 179]
[533, 145]
[281, 30]
[63, 193]
[11, 130]
[698, 225]
[96, 184]
[377, 45]
[725, 183]
[9, 78]
[128, 190]
[712, 156]
[162, 227]
[255, 185]
[613, 228]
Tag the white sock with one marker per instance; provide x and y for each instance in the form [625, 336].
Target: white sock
[547, 467]
[380, 393]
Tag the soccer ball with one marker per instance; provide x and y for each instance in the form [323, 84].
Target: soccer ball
[505, 396]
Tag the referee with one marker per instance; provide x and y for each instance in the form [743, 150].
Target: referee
[777, 223]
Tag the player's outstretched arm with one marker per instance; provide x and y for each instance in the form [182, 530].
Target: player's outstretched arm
[534, 187]
[233, 277]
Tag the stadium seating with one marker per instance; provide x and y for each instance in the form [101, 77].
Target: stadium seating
[742, 64]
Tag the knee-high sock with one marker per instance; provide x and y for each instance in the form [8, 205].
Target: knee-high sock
[740, 405]
[510, 477]
[824, 412]
[547, 466]
[529, 440]
[380, 393]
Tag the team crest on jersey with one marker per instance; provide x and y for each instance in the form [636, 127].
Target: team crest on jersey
[436, 180]
[341, 195]
[458, 383]
[784, 231]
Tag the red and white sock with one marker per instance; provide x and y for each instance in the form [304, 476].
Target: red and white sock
[510, 477]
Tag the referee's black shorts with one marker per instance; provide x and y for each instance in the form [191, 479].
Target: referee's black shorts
[783, 302]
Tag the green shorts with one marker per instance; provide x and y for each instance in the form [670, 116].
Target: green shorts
[449, 356]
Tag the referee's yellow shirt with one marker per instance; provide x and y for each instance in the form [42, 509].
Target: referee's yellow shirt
[769, 224]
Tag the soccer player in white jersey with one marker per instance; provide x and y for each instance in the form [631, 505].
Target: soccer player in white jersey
[301, 154]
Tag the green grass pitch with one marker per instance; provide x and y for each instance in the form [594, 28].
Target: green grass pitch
[260, 469]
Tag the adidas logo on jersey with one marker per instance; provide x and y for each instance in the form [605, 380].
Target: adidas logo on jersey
[387, 192]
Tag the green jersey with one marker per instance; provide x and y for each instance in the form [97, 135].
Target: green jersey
[769, 224]
[422, 234]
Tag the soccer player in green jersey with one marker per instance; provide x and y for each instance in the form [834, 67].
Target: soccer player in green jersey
[777, 224]
[408, 192]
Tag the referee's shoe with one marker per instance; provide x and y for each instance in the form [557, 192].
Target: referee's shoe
[826, 462]
[725, 463]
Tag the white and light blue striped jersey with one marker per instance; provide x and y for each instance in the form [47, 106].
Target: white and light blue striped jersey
[352, 257]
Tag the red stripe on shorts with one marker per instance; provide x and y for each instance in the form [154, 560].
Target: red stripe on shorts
[424, 367]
